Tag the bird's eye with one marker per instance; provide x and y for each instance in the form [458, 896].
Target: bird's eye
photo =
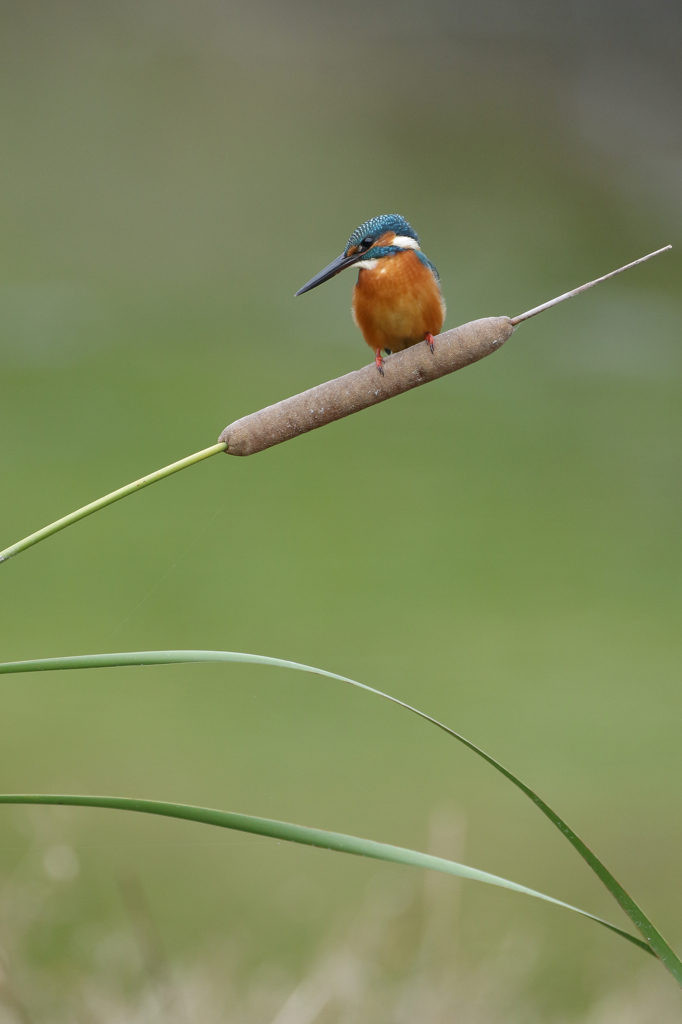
[367, 242]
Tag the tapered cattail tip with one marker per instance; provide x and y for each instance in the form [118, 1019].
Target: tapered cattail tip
[583, 287]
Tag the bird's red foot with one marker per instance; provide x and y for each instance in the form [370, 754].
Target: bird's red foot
[379, 361]
[429, 341]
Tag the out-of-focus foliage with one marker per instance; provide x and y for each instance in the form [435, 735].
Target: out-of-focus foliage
[397, 957]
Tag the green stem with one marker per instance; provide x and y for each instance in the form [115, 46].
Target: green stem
[283, 830]
[108, 499]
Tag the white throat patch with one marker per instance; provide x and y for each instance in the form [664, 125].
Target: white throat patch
[367, 264]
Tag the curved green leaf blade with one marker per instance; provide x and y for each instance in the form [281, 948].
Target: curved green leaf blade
[653, 937]
[283, 830]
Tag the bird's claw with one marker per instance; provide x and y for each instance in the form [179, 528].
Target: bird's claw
[429, 341]
[379, 362]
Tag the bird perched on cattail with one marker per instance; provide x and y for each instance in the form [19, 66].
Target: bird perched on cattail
[397, 300]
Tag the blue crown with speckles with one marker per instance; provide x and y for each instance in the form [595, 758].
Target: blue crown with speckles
[376, 226]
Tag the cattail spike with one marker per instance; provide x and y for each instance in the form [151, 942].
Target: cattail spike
[583, 287]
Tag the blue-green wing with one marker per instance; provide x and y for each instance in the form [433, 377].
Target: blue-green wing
[427, 263]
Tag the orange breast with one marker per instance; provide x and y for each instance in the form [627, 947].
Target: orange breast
[398, 302]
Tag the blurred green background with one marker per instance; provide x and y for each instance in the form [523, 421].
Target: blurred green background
[501, 549]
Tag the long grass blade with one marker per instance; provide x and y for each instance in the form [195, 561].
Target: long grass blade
[283, 830]
[653, 938]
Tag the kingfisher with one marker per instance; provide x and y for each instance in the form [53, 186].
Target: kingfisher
[397, 301]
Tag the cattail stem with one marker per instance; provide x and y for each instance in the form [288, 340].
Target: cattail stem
[108, 499]
[337, 399]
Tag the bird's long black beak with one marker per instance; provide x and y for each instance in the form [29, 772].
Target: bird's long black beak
[335, 267]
